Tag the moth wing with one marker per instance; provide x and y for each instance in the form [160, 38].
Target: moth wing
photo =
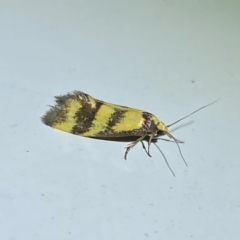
[114, 121]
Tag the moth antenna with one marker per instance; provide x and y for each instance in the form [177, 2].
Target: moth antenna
[192, 113]
[176, 141]
[167, 140]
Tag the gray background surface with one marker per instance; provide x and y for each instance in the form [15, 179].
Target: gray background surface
[166, 57]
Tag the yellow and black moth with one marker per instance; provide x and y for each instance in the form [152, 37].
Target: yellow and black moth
[79, 113]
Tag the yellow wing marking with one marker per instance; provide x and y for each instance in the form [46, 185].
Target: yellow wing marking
[117, 107]
[100, 123]
[92, 101]
[71, 109]
[132, 120]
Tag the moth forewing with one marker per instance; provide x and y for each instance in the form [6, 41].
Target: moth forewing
[79, 113]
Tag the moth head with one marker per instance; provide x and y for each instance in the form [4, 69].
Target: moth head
[161, 128]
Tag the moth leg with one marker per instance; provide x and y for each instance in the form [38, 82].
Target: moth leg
[131, 145]
[149, 143]
[145, 149]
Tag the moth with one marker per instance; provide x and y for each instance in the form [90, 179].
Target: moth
[79, 113]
